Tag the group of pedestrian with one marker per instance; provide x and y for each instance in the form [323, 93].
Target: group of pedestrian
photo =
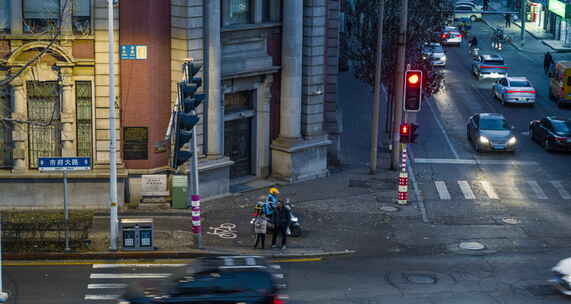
[271, 213]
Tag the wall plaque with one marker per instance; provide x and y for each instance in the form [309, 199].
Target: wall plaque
[135, 143]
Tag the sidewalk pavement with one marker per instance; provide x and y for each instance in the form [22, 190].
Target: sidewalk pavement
[536, 38]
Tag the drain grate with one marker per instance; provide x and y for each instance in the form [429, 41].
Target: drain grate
[542, 290]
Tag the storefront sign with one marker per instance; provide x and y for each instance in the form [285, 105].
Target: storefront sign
[560, 8]
[135, 145]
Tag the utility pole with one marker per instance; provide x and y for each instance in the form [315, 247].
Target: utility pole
[113, 222]
[399, 86]
[377, 95]
[523, 17]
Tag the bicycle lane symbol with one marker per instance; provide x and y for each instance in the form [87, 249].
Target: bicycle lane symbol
[225, 231]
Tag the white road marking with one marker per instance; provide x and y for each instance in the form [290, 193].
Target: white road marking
[564, 193]
[101, 297]
[128, 275]
[417, 192]
[515, 191]
[537, 189]
[489, 190]
[452, 161]
[443, 131]
[106, 286]
[466, 189]
[442, 190]
[95, 266]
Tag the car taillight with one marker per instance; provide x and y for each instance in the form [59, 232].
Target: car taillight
[279, 299]
[557, 138]
[458, 35]
[512, 91]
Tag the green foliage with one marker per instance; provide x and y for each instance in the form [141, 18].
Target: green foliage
[44, 230]
[359, 41]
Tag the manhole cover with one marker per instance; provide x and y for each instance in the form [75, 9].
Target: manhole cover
[420, 278]
[389, 209]
[471, 246]
[511, 220]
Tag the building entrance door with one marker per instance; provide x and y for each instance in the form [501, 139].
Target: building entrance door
[238, 146]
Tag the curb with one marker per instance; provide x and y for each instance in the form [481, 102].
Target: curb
[512, 43]
[167, 254]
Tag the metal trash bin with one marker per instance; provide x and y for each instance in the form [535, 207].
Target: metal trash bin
[138, 233]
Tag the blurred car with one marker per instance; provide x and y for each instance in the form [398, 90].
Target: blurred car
[472, 4]
[514, 90]
[450, 35]
[562, 276]
[490, 132]
[467, 11]
[552, 132]
[225, 279]
[489, 66]
[435, 53]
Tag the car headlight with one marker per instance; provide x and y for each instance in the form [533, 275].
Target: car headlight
[512, 141]
[484, 140]
[444, 57]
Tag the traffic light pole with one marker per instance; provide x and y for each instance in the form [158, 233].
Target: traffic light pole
[377, 95]
[113, 221]
[399, 87]
[523, 17]
[195, 198]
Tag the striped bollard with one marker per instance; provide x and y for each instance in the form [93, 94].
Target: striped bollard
[196, 214]
[403, 181]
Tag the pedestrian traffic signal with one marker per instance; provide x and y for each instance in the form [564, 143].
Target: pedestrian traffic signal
[413, 135]
[186, 117]
[412, 90]
[405, 133]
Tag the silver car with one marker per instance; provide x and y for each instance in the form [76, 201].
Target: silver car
[514, 90]
[490, 132]
[435, 53]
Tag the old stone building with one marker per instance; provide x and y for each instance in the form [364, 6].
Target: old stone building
[269, 70]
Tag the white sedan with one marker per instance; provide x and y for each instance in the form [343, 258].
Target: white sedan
[514, 90]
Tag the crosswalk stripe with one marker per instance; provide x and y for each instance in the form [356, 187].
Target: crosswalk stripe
[515, 191]
[442, 190]
[101, 297]
[489, 190]
[537, 189]
[466, 190]
[106, 286]
[564, 193]
[98, 266]
[128, 275]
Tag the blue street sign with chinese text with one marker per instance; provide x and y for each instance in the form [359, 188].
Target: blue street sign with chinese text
[64, 163]
[130, 51]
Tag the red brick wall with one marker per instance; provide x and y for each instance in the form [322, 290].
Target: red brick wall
[84, 49]
[145, 84]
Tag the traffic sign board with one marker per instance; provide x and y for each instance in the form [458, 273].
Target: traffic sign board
[64, 163]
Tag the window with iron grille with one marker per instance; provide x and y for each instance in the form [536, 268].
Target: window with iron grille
[5, 128]
[41, 16]
[83, 99]
[44, 131]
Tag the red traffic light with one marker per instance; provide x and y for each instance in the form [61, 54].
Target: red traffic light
[404, 129]
[413, 78]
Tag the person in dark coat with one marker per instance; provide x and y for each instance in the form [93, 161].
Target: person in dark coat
[281, 219]
[508, 20]
[547, 61]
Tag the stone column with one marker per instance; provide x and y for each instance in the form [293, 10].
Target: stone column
[66, 20]
[215, 106]
[68, 133]
[263, 100]
[20, 131]
[16, 17]
[292, 41]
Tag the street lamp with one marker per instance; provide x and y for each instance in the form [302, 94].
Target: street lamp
[113, 222]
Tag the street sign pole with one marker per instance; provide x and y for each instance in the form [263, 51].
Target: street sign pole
[3, 295]
[65, 210]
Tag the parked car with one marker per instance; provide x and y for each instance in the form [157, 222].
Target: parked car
[489, 66]
[514, 90]
[552, 132]
[467, 11]
[490, 132]
[225, 279]
[450, 36]
[474, 5]
[435, 53]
